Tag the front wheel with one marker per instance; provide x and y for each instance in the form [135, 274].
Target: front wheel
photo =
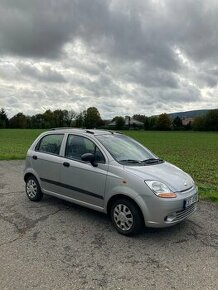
[33, 189]
[126, 217]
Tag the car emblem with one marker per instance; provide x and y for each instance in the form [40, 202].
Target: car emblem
[185, 183]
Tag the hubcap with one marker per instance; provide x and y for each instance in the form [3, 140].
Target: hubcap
[123, 217]
[31, 188]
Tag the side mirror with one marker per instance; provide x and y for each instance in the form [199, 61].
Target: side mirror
[90, 157]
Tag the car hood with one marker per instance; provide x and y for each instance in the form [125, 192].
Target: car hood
[175, 178]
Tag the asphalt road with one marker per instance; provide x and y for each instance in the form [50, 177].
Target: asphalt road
[57, 245]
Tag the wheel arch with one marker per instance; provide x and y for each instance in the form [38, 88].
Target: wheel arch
[28, 174]
[119, 196]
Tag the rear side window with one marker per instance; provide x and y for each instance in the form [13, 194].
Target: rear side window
[78, 145]
[50, 144]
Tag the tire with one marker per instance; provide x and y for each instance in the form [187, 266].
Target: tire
[126, 217]
[33, 190]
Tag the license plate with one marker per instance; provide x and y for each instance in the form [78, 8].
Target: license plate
[189, 201]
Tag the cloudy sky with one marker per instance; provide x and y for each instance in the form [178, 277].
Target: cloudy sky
[121, 56]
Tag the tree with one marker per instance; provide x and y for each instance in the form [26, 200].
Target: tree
[177, 123]
[188, 126]
[143, 119]
[48, 119]
[163, 122]
[211, 120]
[199, 124]
[58, 118]
[120, 122]
[93, 118]
[3, 119]
[18, 121]
[69, 116]
[140, 118]
[151, 123]
[146, 124]
[80, 119]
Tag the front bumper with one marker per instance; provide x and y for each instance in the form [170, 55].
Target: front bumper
[177, 217]
[164, 212]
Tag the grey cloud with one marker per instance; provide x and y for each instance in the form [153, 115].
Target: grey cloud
[43, 73]
[21, 70]
[150, 77]
[33, 28]
[129, 63]
[134, 31]
[8, 70]
[138, 30]
[40, 29]
[196, 25]
[213, 71]
[184, 95]
[208, 80]
[13, 101]
[124, 33]
[91, 69]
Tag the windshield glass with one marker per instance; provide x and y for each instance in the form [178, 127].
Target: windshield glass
[125, 149]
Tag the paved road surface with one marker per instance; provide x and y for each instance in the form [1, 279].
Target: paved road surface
[57, 245]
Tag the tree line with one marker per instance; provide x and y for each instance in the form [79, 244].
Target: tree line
[91, 118]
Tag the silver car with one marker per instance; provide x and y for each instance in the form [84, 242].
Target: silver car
[111, 173]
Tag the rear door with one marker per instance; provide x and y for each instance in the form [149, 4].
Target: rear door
[47, 162]
[80, 180]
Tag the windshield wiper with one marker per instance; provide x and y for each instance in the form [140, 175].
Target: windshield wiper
[152, 160]
[130, 161]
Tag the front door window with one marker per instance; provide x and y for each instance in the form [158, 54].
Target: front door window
[78, 145]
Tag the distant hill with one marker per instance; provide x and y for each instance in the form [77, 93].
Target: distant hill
[188, 114]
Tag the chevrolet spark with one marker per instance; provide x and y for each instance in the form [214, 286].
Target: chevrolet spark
[111, 173]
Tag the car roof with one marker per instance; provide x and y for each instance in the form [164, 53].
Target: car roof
[82, 131]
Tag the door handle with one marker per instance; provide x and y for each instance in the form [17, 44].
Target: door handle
[35, 157]
[66, 164]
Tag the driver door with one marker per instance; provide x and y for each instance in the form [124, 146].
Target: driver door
[80, 179]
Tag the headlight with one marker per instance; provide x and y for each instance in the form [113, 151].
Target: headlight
[160, 189]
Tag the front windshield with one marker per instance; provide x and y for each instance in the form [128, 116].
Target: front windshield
[125, 149]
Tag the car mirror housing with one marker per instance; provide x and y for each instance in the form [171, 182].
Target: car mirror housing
[89, 157]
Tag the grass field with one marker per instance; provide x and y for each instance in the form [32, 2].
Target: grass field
[195, 153]
[15, 142]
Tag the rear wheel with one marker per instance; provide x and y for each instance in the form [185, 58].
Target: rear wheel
[33, 189]
[126, 217]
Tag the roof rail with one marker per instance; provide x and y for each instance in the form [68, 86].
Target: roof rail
[90, 132]
[60, 128]
[112, 132]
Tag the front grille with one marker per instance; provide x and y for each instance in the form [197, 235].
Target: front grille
[187, 189]
[185, 212]
[182, 214]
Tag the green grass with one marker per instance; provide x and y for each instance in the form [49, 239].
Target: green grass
[14, 143]
[194, 152]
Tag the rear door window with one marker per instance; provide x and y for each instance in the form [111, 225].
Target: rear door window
[50, 144]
